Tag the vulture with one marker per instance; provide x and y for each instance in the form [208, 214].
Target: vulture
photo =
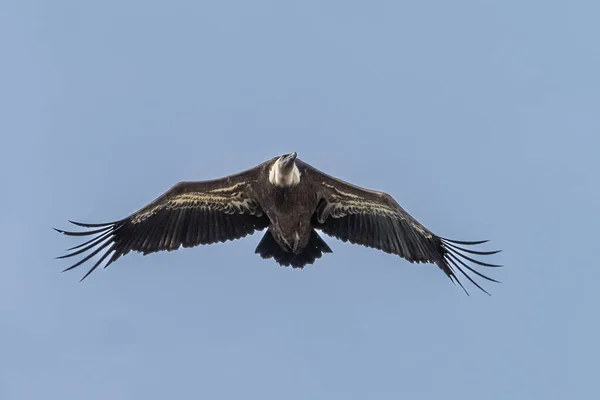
[291, 200]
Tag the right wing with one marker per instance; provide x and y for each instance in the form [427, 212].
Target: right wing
[374, 219]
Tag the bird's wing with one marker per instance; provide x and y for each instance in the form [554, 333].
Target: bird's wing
[188, 214]
[374, 219]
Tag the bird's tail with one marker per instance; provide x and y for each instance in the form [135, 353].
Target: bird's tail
[268, 248]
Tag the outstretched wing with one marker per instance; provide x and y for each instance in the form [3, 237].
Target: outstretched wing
[375, 219]
[188, 214]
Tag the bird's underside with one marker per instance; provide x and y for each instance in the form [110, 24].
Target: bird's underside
[292, 201]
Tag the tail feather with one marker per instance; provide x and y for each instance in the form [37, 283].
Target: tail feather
[268, 248]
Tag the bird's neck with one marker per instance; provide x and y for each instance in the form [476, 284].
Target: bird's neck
[284, 177]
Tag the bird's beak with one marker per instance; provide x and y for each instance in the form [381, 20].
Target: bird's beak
[288, 160]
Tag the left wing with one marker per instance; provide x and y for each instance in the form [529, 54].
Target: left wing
[189, 214]
[374, 219]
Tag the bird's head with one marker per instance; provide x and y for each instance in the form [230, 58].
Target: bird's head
[287, 161]
[284, 172]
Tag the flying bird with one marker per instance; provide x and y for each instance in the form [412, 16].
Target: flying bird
[292, 200]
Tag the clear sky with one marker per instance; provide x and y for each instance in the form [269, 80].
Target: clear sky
[482, 118]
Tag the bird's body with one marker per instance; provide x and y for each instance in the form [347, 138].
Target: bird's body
[289, 202]
[289, 198]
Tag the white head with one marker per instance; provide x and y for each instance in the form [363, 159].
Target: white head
[284, 172]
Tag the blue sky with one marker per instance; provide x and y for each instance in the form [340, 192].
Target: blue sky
[480, 117]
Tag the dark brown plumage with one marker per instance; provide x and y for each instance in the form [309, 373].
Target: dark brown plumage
[292, 200]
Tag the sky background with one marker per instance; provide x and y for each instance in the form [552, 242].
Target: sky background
[480, 117]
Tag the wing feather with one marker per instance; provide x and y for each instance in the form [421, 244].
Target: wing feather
[189, 214]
